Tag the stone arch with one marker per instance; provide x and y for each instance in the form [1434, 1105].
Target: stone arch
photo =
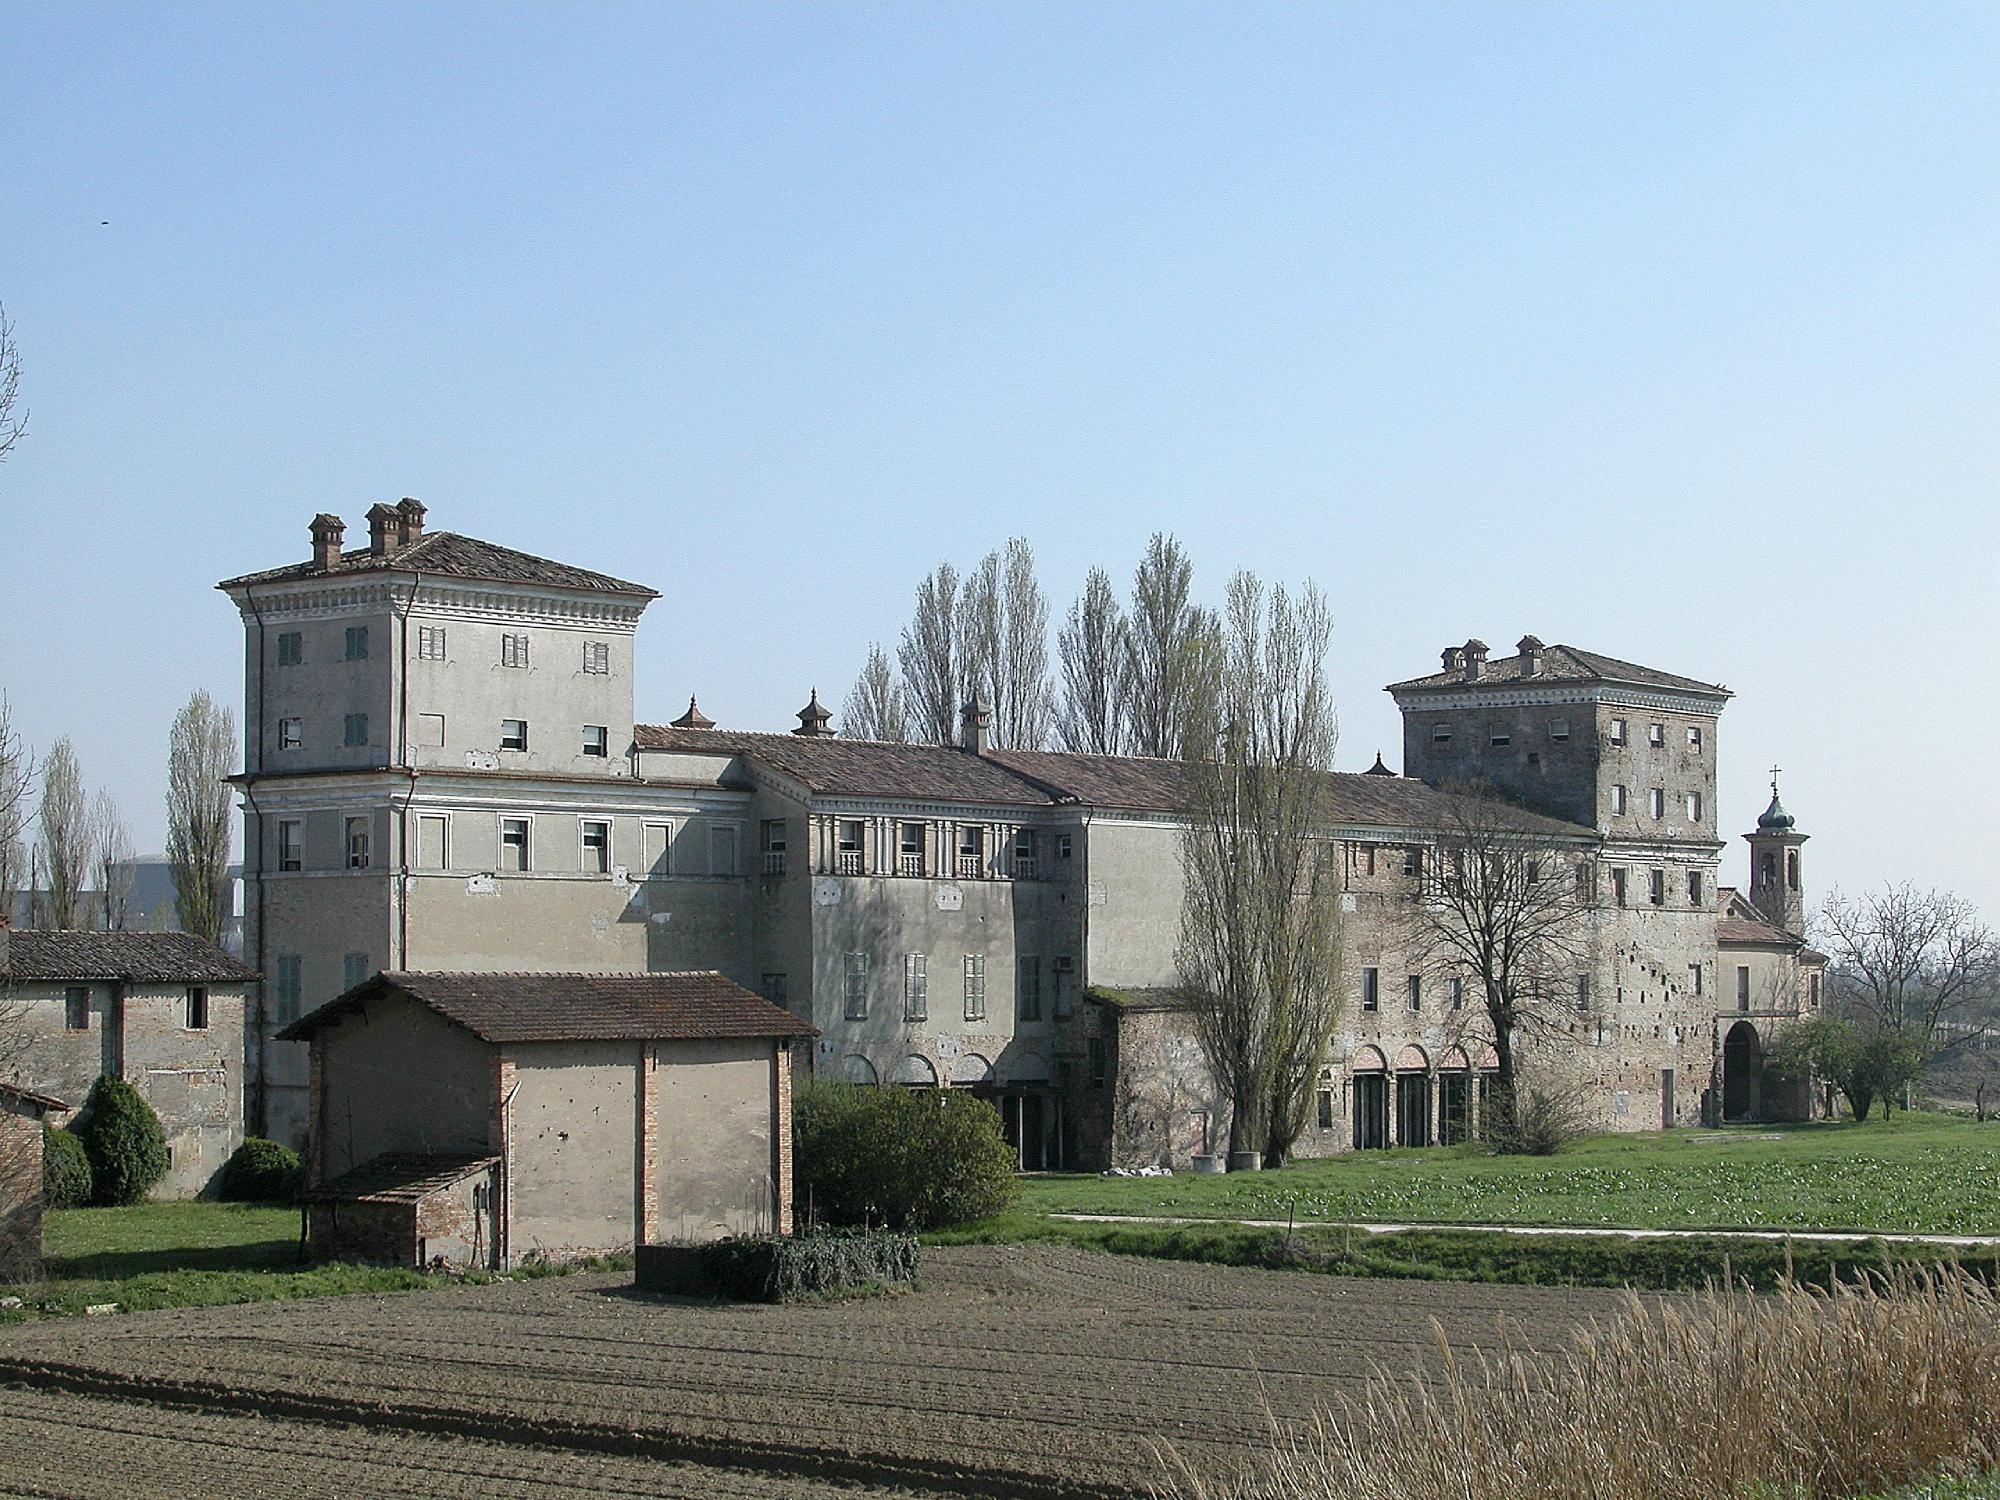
[1369, 1059]
[971, 1068]
[915, 1072]
[1454, 1060]
[1742, 1073]
[1489, 1060]
[1412, 1059]
[857, 1069]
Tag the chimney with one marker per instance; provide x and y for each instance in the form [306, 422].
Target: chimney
[412, 513]
[1531, 656]
[385, 530]
[1454, 658]
[1475, 660]
[974, 722]
[326, 534]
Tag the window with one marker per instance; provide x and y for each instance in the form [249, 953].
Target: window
[1064, 970]
[1586, 881]
[1455, 994]
[909, 848]
[971, 851]
[596, 740]
[1025, 850]
[1413, 863]
[854, 987]
[597, 658]
[1093, 1050]
[354, 730]
[1371, 989]
[1694, 807]
[357, 643]
[1065, 847]
[1582, 992]
[197, 1008]
[722, 848]
[1742, 986]
[1656, 802]
[1812, 982]
[1694, 736]
[1694, 978]
[433, 841]
[76, 1008]
[975, 986]
[291, 648]
[773, 841]
[1368, 860]
[1618, 799]
[1617, 731]
[1656, 887]
[1413, 991]
[1559, 729]
[1500, 737]
[291, 842]
[513, 651]
[1694, 888]
[774, 988]
[1027, 989]
[596, 846]
[357, 843]
[430, 731]
[292, 733]
[430, 642]
[353, 970]
[916, 987]
[1618, 885]
[659, 850]
[1791, 869]
[1325, 1107]
[514, 851]
[1440, 734]
[1656, 734]
[513, 734]
[1767, 869]
[285, 988]
[847, 847]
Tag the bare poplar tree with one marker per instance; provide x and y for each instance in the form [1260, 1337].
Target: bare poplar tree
[981, 636]
[13, 416]
[201, 754]
[111, 862]
[1259, 952]
[929, 657]
[1024, 655]
[1505, 900]
[1092, 648]
[1920, 963]
[64, 845]
[874, 708]
[17, 787]
[1162, 631]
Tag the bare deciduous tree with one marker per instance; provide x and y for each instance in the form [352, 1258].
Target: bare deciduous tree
[17, 788]
[64, 845]
[111, 862]
[1092, 647]
[13, 416]
[1024, 702]
[1259, 952]
[874, 708]
[201, 754]
[1505, 901]
[1920, 963]
[981, 634]
[929, 657]
[1162, 638]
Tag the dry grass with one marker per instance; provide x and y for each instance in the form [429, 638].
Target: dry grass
[1801, 1395]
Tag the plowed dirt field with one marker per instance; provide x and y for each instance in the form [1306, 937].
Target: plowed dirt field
[1016, 1370]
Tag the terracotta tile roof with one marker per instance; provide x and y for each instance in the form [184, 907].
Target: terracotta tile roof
[398, 1177]
[137, 957]
[13, 1095]
[459, 556]
[1562, 664]
[576, 1007]
[1738, 921]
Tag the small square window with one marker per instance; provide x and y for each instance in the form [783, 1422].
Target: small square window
[596, 846]
[1656, 734]
[76, 1008]
[513, 734]
[1694, 736]
[597, 658]
[1440, 734]
[357, 643]
[1617, 731]
[354, 730]
[1500, 737]
[291, 733]
[596, 740]
[291, 648]
[197, 1008]
[1559, 729]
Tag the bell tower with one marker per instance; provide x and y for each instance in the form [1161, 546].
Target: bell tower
[1777, 883]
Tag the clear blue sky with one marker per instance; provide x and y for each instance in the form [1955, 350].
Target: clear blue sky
[1665, 331]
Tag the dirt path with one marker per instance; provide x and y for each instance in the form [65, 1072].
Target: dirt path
[1017, 1370]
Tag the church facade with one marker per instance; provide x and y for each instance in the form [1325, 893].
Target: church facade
[443, 771]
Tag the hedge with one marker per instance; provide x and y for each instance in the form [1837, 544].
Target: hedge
[65, 1169]
[769, 1268]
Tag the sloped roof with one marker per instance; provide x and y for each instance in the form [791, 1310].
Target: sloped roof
[459, 556]
[14, 1095]
[1740, 922]
[398, 1177]
[1562, 664]
[511, 1007]
[136, 957]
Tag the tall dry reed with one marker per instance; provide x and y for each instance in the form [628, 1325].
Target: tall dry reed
[1806, 1394]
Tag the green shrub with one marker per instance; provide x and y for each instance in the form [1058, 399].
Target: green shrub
[902, 1158]
[65, 1169]
[261, 1171]
[128, 1149]
[770, 1268]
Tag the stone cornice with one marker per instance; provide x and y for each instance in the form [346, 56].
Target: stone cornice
[437, 596]
[1529, 695]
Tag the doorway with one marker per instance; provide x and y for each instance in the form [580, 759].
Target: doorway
[1371, 1111]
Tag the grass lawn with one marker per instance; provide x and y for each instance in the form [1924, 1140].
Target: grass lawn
[1913, 1174]
[198, 1254]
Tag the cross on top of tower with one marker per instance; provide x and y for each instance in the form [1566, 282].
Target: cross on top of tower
[1774, 779]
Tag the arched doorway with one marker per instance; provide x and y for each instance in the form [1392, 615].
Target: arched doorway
[1454, 1097]
[1371, 1100]
[1413, 1097]
[1742, 1073]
